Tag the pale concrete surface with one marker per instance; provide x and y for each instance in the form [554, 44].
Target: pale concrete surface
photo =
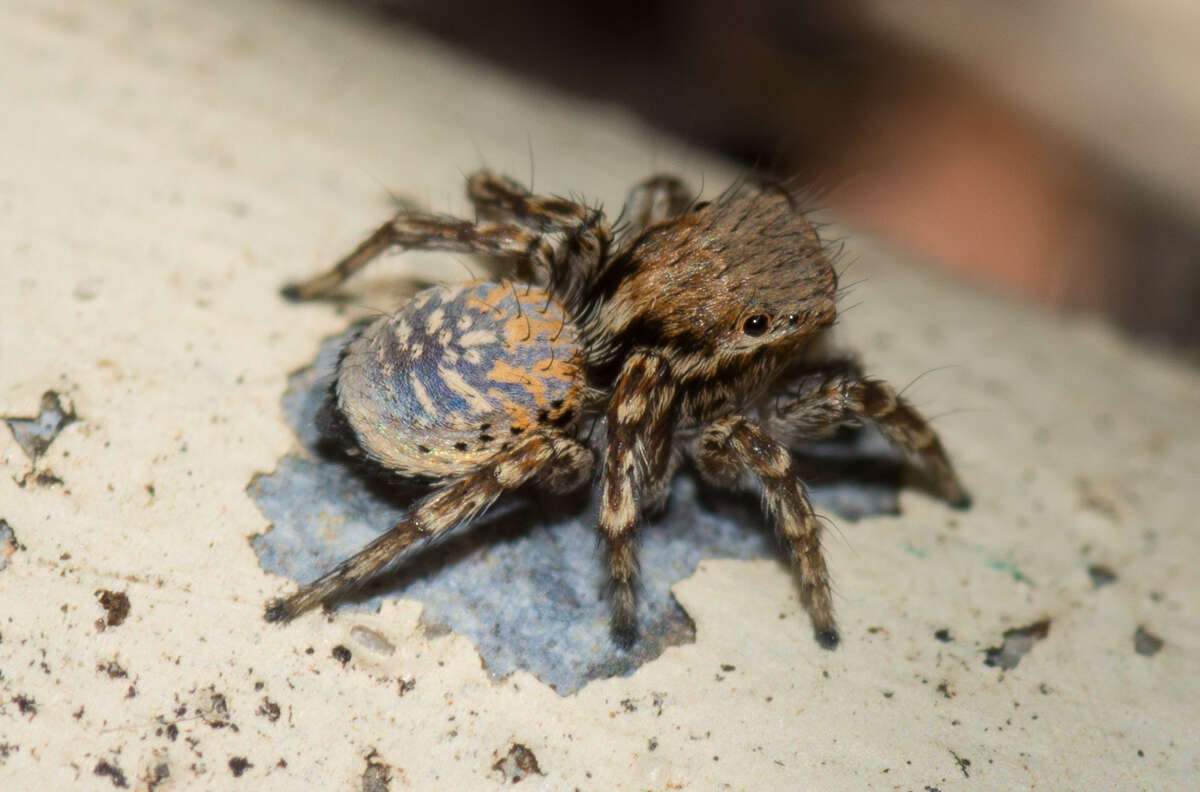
[168, 165]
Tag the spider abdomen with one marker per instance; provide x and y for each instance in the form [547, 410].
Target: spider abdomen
[457, 374]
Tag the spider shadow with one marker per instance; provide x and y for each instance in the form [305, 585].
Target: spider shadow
[510, 523]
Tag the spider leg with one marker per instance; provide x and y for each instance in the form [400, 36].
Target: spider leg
[580, 232]
[732, 451]
[660, 197]
[558, 461]
[841, 395]
[411, 230]
[658, 486]
[639, 424]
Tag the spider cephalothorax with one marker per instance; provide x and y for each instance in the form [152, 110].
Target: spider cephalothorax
[697, 332]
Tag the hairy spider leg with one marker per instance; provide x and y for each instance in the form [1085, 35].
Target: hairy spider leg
[640, 421]
[653, 200]
[411, 230]
[578, 234]
[732, 448]
[838, 395]
[559, 461]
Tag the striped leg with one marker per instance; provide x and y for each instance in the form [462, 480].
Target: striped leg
[658, 484]
[410, 230]
[734, 449]
[842, 395]
[558, 461]
[578, 233]
[639, 420]
[660, 197]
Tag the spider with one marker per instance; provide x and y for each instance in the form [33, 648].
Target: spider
[692, 330]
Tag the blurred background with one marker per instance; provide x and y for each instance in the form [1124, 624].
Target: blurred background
[1046, 150]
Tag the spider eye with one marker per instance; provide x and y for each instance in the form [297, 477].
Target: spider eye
[756, 325]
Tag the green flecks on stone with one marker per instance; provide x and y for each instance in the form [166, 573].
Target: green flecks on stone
[1011, 568]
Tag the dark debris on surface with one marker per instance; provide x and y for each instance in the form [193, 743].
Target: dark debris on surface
[377, 777]
[35, 434]
[1017, 643]
[116, 607]
[1146, 643]
[1101, 575]
[518, 764]
[8, 543]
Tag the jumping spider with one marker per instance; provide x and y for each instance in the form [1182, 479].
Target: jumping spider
[694, 330]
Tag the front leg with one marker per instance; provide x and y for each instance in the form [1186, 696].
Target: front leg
[639, 426]
[734, 449]
[841, 395]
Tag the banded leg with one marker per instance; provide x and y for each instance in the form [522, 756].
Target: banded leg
[842, 395]
[422, 231]
[734, 449]
[639, 435]
[558, 461]
[658, 198]
[658, 485]
[580, 234]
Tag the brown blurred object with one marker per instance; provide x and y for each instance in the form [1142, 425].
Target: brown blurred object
[955, 175]
[1117, 77]
[1047, 149]
[1095, 106]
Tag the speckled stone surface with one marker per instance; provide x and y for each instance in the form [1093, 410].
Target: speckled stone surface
[169, 165]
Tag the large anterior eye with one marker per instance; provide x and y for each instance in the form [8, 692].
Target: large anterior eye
[756, 325]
